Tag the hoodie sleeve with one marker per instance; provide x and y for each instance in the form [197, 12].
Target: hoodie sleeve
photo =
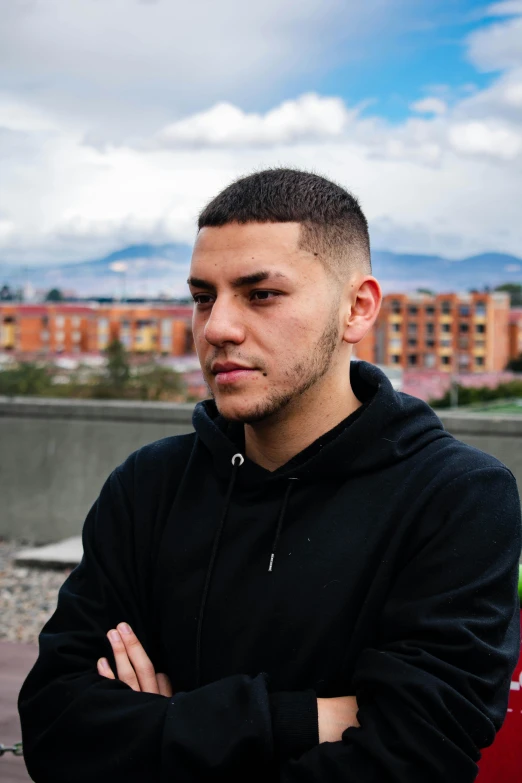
[434, 691]
[78, 726]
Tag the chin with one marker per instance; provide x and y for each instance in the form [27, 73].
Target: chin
[238, 407]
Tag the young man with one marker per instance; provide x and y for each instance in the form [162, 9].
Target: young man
[320, 582]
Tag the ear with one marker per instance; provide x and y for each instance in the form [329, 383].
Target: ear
[363, 298]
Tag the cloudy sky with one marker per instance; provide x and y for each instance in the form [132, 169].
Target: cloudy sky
[119, 119]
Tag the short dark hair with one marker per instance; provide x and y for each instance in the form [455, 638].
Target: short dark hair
[333, 225]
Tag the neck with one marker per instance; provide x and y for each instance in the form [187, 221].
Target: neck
[274, 441]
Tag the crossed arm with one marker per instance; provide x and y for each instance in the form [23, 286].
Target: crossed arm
[135, 668]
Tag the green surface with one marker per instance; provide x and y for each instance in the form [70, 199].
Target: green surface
[496, 407]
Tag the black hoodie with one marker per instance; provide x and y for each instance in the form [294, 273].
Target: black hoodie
[382, 561]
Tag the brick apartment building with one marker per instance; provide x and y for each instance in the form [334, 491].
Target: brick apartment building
[450, 332]
[39, 330]
[454, 333]
[515, 333]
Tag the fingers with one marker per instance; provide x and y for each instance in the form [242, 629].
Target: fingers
[132, 662]
[104, 669]
[123, 665]
[165, 688]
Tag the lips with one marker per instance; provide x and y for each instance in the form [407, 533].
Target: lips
[220, 367]
[227, 373]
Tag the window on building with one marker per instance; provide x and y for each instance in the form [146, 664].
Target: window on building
[479, 361]
[445, 327]
[412, 328]
[103, 324]
[59, 321]
[480, 328]
[445, 307]
[430, 310]
[412, 359]
[463, 343]
[445, 360]
[480, 309]
[430, 328]
[395, 306]
[429, 360]
[413, 310]
[464, 310]
[480, 343]
[395, 345]
[430, 343]
[445, 342]
[396, 327]
[396, 359]
[412, 342]
[463, 328]
[464, 359]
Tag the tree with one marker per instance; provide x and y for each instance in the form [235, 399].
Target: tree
[515, 293]
[6, 294]
[471, 395]
[515, 365]
[27, 378]
[54, 295]
[160, 383]
[118, 369]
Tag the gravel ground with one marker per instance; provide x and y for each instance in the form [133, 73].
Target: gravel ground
[27, 596]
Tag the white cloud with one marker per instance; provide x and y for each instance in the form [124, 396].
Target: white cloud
[497, 46]
[98, 60]
[224, 125]
[483, 138]
[446, 180]
[506, 8]
[430, 105]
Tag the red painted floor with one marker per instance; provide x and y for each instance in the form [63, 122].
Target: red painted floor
[15, 662]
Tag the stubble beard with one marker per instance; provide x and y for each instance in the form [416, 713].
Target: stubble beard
[300, 378]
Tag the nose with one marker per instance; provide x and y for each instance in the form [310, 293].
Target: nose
[224, 324]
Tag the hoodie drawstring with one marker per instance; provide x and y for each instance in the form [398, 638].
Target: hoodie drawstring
[237, 460]
[280, 521]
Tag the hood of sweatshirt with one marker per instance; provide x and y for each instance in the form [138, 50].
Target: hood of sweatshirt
[389, 427]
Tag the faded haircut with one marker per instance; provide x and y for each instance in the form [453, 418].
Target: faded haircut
[333, 225]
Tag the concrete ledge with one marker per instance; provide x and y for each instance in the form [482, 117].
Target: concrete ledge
[96, 410]
[64, 554]
[55, 454]
[481, 423]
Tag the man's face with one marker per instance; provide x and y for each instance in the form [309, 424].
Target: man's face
[266, 318]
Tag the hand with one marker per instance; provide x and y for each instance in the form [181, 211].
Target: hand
[335, 716]
[133, 665]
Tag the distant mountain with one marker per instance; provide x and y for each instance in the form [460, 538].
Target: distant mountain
[147, 270]
[404, 272]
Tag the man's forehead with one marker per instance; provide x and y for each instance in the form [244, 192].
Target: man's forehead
[236, 250]
[242, 237]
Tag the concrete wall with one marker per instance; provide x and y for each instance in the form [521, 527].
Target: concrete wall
[55, 454]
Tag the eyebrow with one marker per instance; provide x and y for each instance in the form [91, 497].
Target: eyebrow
[239, 282]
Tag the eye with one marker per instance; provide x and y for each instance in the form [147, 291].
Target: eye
[202, 299]
[263, 296]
